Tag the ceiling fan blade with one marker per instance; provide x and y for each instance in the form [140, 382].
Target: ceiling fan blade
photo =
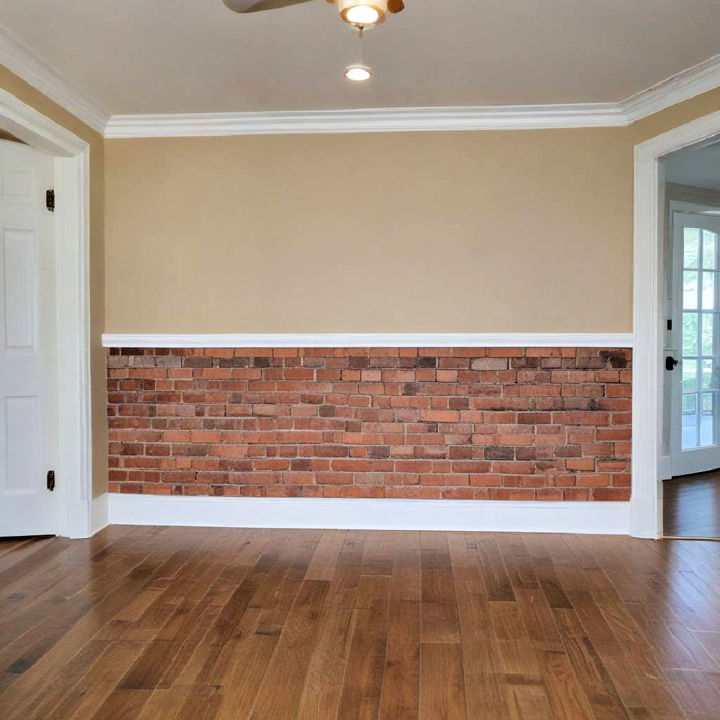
[251, 6]
[395, 6]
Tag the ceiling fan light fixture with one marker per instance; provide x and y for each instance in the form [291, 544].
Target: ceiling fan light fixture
[362, 13]
[358, 73]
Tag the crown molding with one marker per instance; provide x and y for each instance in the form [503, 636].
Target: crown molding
[678, 88]
[32, 68]
[332, 340]
[685, 85]
[29, 66]
[508, 117]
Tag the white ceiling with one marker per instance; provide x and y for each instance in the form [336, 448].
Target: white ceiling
[189, 56]
[695, 166]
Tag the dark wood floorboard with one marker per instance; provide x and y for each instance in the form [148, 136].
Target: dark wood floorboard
[150, 623]
[691, 506]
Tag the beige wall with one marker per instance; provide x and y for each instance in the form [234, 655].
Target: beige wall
[20, 89]
[475, 232]
[441, 232]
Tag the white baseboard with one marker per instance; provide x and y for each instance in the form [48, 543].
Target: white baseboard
[83, 518]
[646, 517]
[100, 513]
[597, 518]
[664, 468]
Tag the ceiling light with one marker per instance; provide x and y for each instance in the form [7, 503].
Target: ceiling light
[362, 13]
[358, 73]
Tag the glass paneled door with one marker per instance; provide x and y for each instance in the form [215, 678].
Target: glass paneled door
[695, 433]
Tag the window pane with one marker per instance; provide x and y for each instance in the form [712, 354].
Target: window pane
[690, 289]
[689, 421]
[707, 420]
[708, 291]
[709, 249]
[708, 333]
[691, 246]
[689, 334]
[708, 376]
[689, 375]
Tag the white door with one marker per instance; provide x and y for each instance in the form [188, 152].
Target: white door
[28, 392]
[695, 431]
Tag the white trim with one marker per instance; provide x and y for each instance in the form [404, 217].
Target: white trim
[694, 81]
[100, 513]
[611, 518]
[152, 340]
[664, 468]
[72, 185]
[28, 65]
[413, 119]
[37, 130]
[648, 304]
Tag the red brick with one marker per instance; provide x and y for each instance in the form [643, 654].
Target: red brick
[441, 416]
[386, 422]
[611, 494]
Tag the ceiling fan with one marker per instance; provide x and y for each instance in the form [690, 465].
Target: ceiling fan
[363, 14]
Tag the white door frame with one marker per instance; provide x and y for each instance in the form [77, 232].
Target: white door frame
[72, 190]
[649, 313]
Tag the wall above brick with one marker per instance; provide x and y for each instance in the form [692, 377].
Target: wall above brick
[456, 423]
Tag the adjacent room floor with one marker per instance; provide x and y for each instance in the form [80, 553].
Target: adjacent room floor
[194, 623]
[691, 506]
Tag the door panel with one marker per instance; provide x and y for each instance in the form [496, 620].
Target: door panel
[695, 441]
[28, 386]
[23, 446]
[19, 281]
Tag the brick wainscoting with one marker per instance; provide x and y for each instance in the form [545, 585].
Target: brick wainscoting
[466, 423]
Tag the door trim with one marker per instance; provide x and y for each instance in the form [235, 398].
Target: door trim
[72, 187]
[648, 314]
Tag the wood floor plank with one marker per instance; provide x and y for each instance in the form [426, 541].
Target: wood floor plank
[592, 674]
[365, 666]
[401, 683]
[292, 656]
[231, 624]
[494, 572]
[439, 605]
[485, 696]
[442, 683]
[326, 669]
[248, 653]
[563, 691]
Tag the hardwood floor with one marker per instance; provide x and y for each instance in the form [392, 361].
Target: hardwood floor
[202, 624]
[691, 506]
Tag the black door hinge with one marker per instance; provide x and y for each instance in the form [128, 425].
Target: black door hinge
[51, 480]
[50, 200]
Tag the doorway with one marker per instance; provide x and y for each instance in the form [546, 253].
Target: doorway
[28, 372]
[47, 429]
[691, 482]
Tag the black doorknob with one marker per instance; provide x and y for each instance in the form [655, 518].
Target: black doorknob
[671, 362]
